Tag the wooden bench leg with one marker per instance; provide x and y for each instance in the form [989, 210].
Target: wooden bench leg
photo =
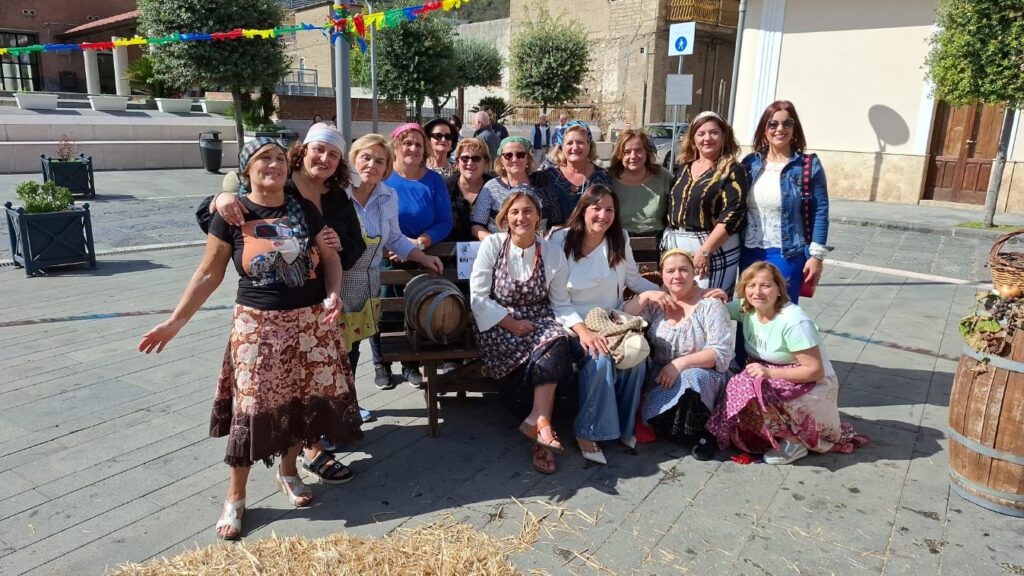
[431, 393]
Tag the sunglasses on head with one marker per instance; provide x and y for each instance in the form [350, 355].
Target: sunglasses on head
[466, 159]
[441, 136]
[787, 124]
[511, 155]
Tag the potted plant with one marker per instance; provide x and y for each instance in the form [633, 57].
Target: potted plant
[36, 101]
[175, 105]
[215, 106]
[69, 171]
[108, 103]
[48, 230]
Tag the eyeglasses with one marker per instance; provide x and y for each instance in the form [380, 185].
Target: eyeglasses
[441, 136]
[511, 155]
[470, 159]
[271, 231]
[788, 123]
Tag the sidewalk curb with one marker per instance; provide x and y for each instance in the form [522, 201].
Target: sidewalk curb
[953, 231]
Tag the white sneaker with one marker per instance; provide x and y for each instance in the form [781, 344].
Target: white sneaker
[787, 453]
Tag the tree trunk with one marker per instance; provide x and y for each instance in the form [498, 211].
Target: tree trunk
[996, 178]
[460, 102]
[236, 99]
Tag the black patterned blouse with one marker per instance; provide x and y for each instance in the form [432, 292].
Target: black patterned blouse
[699, 204]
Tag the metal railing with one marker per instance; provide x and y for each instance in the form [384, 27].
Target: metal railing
[715, 12]
[299, 82]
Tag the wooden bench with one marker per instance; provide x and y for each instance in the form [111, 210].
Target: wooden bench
[469, 376]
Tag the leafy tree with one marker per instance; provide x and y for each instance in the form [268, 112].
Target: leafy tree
[414, 61]
[240, 65]
[978, 56]
[550, 59]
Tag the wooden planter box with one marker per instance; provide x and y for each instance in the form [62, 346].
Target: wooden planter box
[75, 175]
[53, 239]
[109, 103]
[176, 105]
[216, 106]
[36, 101]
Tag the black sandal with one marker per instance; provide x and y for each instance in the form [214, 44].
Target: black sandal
[327, 468]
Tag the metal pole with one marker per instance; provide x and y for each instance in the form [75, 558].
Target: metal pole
[373, 68]
[736, 59]
[342, 88]
[675, 122]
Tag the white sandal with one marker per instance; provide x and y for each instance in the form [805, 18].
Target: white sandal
[294, 489]
[231, 517]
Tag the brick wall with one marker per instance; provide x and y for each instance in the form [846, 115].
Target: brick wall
[305, 107]
[53, 17]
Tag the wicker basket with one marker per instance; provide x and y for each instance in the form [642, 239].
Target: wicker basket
[1007, 268]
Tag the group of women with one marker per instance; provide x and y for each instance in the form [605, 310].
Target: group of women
[554, 247]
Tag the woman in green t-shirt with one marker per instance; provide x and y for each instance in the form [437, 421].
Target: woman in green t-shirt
[785, 402]
[640, 183]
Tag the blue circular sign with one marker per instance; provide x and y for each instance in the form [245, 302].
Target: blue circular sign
[681, 44]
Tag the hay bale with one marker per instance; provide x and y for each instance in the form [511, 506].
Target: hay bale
[442, 548]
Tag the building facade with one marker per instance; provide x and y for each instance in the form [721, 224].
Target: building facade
[28, 22]
[855, 71]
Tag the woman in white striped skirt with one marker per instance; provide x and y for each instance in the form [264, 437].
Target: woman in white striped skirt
[708, 203]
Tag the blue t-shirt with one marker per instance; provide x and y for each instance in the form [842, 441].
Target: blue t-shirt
[423, 205]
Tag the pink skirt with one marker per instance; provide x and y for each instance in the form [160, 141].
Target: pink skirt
[285, 380]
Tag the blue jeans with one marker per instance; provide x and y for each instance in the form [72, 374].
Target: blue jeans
[609, 398]
[792, 268]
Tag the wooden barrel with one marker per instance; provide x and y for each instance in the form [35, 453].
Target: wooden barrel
[986, 436]
[435, 309]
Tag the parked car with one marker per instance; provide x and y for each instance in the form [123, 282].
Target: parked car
[661, 133]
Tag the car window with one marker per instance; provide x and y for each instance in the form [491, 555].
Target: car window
[659, 131]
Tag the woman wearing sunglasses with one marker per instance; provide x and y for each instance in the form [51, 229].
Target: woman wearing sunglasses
[464, 186]
[441, 138]
[787, 208]
[514, 167]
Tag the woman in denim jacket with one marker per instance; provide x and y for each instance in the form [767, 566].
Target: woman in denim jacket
[777, 217]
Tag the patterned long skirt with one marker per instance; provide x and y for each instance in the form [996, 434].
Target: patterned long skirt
[285, 379]
[757, 412]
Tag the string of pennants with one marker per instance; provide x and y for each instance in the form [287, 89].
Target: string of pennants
[340, 24]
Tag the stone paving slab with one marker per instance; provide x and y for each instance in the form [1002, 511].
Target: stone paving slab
[104, 458]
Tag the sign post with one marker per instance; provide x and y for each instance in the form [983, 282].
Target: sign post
[680, 43]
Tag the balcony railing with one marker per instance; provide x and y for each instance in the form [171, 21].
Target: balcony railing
[715, 12]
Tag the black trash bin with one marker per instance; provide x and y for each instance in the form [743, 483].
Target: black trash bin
[211, 150]
[288, 137]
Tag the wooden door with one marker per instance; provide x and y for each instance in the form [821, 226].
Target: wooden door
[964, 142]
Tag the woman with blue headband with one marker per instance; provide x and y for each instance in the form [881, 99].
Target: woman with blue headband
[572, 167]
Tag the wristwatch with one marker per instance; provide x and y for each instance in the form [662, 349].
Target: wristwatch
[705, 253]
[420, 245]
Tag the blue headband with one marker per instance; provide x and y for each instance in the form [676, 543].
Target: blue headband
[560, 132]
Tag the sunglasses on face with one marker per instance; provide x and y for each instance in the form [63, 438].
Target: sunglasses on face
[787, 124]
[511, 155]
[470, 159]
[441, 136]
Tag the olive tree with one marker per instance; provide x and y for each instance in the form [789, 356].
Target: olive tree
[238, 65]
[549, 60]
[977, 55]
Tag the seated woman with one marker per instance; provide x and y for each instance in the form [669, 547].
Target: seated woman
[601, 267]
[516, 290]
[786, 400]
[691, 348]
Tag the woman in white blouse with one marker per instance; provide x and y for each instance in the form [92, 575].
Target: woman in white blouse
[601, 267]
[517, 288]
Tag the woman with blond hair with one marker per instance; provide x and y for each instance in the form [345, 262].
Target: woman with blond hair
[708, 203]
[785, 402]
[573, 168]
[641, 184]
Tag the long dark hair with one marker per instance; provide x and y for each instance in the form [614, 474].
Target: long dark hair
[761, 143]
[577, 226]
[336, 183]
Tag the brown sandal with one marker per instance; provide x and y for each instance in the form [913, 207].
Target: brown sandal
[533, 433]
[543, 461]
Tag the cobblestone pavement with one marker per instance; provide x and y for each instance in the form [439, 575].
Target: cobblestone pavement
[104, 456]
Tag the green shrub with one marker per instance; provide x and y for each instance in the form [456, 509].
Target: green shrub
[41, 198]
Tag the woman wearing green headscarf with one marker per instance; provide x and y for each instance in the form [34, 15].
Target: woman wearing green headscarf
[514, 167]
